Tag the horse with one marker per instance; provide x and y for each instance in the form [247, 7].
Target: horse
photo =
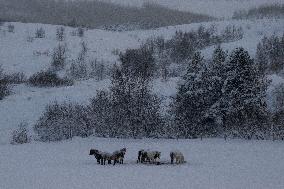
[118, 156]
[178, 156]
[148, 156]
[101, 156]
[97, 155]
[139, 158]
[106, 157]
[152, 156]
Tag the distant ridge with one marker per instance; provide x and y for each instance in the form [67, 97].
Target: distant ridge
[264, 11]
[95, 14]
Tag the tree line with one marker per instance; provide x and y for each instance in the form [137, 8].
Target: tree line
[224, 96]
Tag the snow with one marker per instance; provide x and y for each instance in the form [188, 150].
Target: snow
[211, 163]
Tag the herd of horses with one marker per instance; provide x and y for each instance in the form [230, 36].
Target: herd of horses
[144, 156]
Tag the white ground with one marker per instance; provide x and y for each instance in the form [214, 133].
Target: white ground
[211, 163]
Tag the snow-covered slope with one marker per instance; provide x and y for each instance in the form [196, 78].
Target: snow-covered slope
[18, 55]
[211, 163]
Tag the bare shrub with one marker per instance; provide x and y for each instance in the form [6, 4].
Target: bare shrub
[4, 85]
[40, 33]
[11, 28]
[98, 70]
[59, 57]
[80, 32]
[60, 34]
[20, 135]
[48, 79]
[78, 70]
[16, 78]
[63, 121]
[30, 39]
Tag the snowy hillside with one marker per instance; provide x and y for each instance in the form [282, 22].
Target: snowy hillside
[26, 104]
[18, 55]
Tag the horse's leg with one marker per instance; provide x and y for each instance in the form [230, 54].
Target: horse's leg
[172, 158]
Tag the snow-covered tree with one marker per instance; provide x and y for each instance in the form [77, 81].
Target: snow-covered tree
[100, 115]
[136, 109]
[262, 58]
[270, 54]
[243, 102]
[213, 79]
[278, 114]
[187, 105]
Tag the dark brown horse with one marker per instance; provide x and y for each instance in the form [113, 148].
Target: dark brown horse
[97, 155]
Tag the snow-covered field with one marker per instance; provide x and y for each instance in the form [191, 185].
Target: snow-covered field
[211, 163]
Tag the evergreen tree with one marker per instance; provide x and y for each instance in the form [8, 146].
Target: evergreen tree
[187, 105]
[213, 80]
[278, 114]
[100, 114]
[276, 64]
[261, 58]
[136, 109]
[243, 102]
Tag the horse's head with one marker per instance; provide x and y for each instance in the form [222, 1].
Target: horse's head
[123, 150]
[157, 155]
[93, 152]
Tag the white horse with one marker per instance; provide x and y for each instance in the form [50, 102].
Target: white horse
[153, 156]
[178, 156]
